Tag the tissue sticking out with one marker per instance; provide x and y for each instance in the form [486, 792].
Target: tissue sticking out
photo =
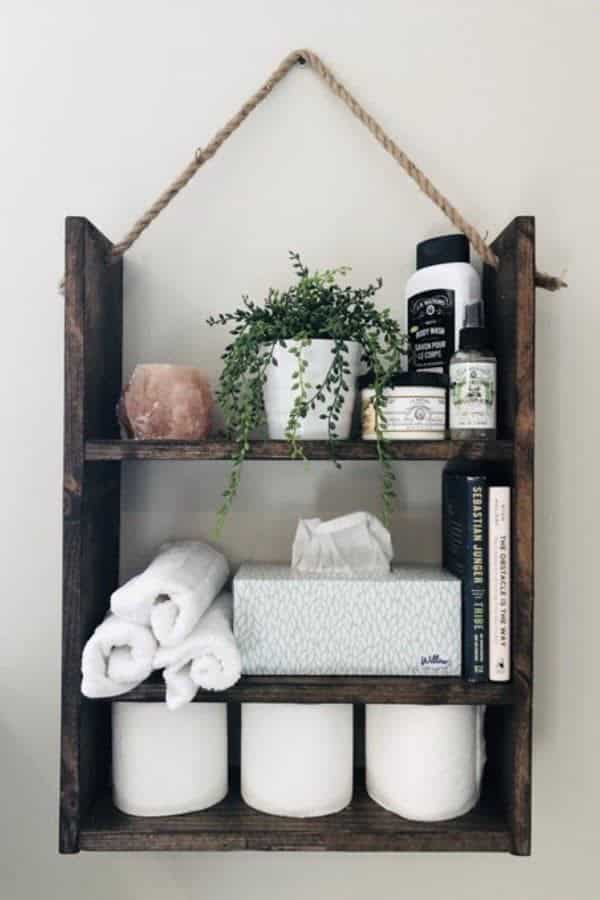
[356, 544]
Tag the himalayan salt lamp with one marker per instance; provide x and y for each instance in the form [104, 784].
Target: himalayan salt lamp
[165, 402]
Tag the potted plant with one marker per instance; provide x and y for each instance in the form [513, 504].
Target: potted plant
[293, 364]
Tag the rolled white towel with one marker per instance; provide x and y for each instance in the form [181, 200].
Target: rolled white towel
[118, 656]
[174, 591]
[209, 658]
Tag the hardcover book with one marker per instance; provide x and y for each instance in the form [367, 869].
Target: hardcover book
[465, 554]
[499, 583]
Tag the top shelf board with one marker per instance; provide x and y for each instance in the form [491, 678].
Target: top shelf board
[492, 451]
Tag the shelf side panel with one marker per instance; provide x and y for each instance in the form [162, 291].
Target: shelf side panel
[93, 344]
[500, 293]
[510, 306]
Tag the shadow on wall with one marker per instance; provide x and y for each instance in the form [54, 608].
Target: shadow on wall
[25, 788]
[164, 500]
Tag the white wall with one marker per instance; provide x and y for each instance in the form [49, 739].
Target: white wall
[102, 103]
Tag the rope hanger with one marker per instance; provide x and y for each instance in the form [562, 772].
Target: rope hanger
[202, 155]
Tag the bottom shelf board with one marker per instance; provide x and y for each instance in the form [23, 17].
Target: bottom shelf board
[231, 825]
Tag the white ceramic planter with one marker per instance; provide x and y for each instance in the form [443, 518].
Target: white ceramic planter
[279, 394]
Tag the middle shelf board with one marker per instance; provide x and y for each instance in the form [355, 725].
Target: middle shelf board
[343, 689]
[490, 451]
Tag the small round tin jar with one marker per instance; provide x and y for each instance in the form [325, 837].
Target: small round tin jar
[415, 407]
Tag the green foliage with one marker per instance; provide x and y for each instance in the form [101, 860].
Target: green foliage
[315, 307]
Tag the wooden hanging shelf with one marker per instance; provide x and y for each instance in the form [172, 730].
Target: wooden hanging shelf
[92, 473]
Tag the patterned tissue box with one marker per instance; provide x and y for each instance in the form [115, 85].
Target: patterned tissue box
[404, 623]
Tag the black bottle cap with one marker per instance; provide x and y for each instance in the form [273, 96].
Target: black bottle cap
[473, 339]
[450, 248]
[407, 379]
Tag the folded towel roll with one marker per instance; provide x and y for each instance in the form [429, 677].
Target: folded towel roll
[118, 656]
[208, 658]
[174, 591]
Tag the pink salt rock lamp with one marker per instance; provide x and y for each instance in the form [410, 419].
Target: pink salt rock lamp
[165, 402]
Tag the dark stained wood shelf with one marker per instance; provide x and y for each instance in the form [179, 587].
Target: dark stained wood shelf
[91, 539]
[106, 450]
[231, 825]
[342, 689]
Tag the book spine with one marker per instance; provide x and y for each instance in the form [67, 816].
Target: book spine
[465, 544]
[499, 583]
[475, 582]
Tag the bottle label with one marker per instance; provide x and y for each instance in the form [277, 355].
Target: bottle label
[473, 395]
[405, 413]
[431, 329]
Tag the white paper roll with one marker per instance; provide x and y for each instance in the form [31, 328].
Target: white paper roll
[166, 763]
[297, 758]
[425, 762]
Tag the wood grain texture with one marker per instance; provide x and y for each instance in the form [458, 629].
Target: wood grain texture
[93, 314]
[280, 450]
[341, 689]
[231, 825]
[510, 305]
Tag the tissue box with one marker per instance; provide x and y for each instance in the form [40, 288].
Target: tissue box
[405, 623]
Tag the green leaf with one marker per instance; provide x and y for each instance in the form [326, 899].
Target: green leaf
[315, 307]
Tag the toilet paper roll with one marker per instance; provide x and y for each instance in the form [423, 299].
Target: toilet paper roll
[297, 758]
[166, 763]
[425, 762]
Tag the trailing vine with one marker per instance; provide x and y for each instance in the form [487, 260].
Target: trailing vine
[315, 307]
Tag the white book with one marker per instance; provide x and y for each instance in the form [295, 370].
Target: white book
[499, 585]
